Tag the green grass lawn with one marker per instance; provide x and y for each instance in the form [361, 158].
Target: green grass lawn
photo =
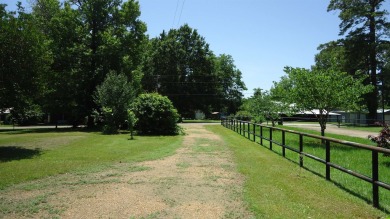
[34, 154]
[278, 188]
[351, 158]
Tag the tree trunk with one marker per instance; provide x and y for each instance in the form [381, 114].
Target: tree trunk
[322, 120]
[372, 100]
[322, 131]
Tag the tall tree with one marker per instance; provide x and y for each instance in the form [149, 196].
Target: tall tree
[89, 38]
[24, 57]
[366, 27]
[64, 30]
[179, 65]
[229, 84]
[114, 38]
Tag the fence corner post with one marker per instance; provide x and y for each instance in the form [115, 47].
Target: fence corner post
[300, 150]
[270, 138]
[327, 159]
[375, 178]
[284, 143]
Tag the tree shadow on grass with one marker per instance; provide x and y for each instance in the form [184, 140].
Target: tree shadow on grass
[386, 163]
[47, 130]
[10, 153]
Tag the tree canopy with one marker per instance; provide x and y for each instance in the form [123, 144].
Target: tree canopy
[265, 106]
[69, 58]
[367, 32]
[180, 65]
[88, 39]
[323, 90]
[24, 58]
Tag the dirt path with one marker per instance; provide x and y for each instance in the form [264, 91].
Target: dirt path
[334, 129]
[199, 181]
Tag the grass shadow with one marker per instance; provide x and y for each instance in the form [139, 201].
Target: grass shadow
[47, 130]
[10, 153]
[386, 163]
[366, 199]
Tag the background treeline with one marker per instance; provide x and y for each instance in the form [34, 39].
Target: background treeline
[53, 58]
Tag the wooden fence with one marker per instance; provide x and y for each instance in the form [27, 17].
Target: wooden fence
[253, 131]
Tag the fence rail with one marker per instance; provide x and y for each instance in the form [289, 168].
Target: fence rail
[248, 130]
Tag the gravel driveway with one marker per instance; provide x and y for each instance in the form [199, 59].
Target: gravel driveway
[332, 129]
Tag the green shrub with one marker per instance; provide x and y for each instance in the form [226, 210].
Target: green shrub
[114, 96]
[156, 115]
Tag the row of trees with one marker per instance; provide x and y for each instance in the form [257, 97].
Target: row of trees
[348, 74]
[53, 59]
[180, 65]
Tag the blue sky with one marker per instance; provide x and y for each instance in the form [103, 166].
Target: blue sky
[262, 36]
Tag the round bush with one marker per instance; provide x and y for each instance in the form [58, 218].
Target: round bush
[156, 115]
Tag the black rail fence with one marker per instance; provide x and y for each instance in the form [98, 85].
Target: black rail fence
[257, 133]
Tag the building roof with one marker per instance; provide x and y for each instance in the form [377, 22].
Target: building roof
[316, 112]
[381, 111]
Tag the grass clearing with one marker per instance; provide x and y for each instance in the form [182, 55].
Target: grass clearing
[278, 188]
[355, 159]
[42, 153]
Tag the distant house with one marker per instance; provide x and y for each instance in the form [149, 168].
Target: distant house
[216, 115]
[386, 113]
[311, 115]
[355, 118]
[3, 115]
[360, 118]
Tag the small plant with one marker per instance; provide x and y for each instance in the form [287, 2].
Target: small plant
[383, 139]
[131, 120]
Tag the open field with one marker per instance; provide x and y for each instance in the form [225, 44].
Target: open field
[279, 188]
[211, 172]
[351, 158]
[197, 181]
[37, 153]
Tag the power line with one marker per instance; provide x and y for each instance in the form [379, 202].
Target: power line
[181, 11]
[174, 17]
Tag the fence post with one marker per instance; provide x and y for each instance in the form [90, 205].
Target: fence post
[240, 127]
[283, 143]
[327, 159]
[270, 138]
[261, 135]
[300, 150]
[249, 131]
[254, 132]
[375, 178]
